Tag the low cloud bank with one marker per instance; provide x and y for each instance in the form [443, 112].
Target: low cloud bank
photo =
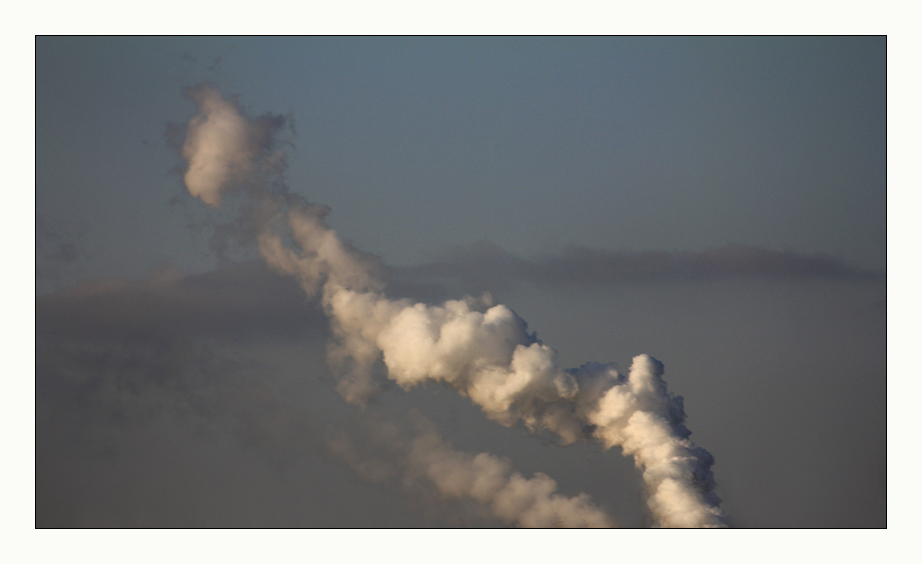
[237, 301]
[151, 383]
[486, 265]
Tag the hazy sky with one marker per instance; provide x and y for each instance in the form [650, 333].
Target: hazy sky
[718, 203]
[532, 144]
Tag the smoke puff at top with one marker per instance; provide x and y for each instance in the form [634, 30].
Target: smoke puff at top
[482, 351]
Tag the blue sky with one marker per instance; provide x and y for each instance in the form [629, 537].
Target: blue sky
[719, 203]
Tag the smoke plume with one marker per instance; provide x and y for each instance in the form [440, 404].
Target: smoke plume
[382, 452]
[481, 350]
[224, 149]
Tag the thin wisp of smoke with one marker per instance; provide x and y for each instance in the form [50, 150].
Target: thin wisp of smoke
[481, 350]
[382, 451]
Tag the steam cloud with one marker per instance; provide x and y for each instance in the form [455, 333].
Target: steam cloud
[223, 148]
[483, 478]
[481, 350]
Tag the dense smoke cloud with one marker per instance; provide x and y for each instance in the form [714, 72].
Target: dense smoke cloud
[225, 150]
[481, 350]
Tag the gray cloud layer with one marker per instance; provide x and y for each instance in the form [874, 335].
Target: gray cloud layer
[484, 265]
[152, 409]
[242, 300]
[123, 367]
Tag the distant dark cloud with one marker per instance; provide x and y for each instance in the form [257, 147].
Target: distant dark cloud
[106, 350]
[150, 412]
[237, 301]
[484, 266]
[119, 360]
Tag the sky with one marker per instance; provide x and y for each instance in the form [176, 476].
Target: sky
[716, 203]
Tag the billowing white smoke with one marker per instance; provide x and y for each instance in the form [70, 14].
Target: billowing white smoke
[381, 452]
[223, 148]
[487, 356]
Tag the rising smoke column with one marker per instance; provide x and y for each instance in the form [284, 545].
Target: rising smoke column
[487, 356]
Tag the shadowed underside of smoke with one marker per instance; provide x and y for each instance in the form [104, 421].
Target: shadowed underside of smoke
[481, 350]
